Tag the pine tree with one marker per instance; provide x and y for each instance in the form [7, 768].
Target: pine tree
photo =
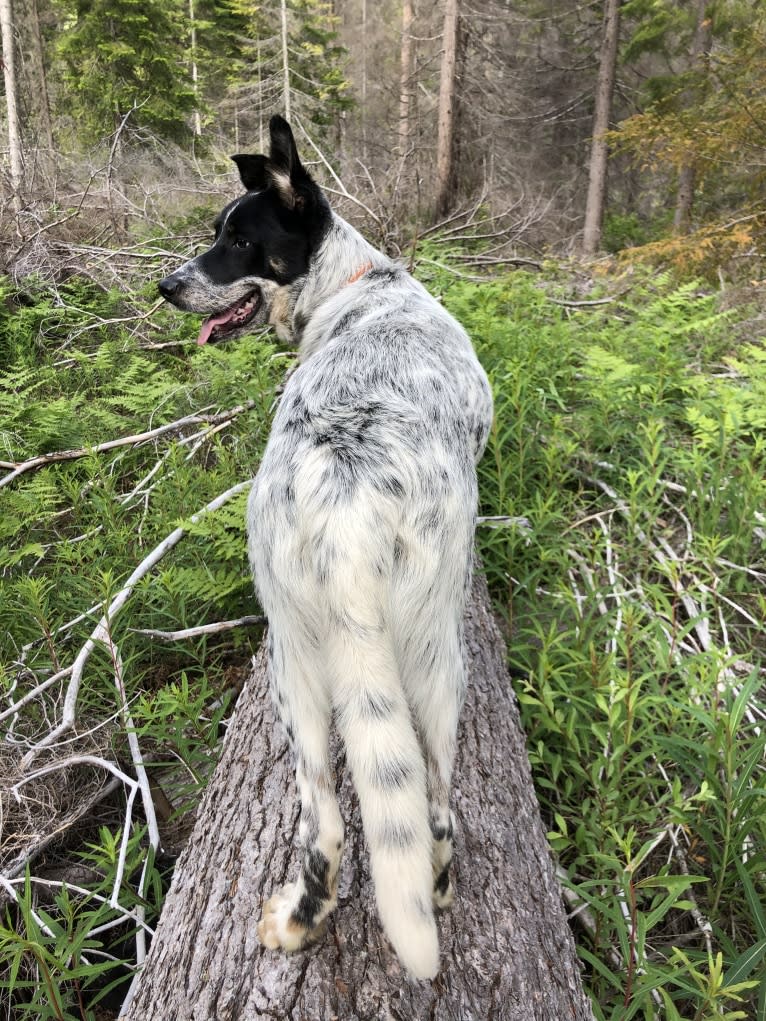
[127, 57]
[267, 64]
[594, 209]
[713, 108]
[445, 144]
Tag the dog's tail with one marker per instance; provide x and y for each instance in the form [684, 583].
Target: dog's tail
[388, 770]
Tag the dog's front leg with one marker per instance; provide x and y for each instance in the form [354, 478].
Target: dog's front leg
[294, 915]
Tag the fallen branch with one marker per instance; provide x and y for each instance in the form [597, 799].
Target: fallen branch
[101, 632]
[201, 629]
[504, 521]
[581, 304]
[125, 441]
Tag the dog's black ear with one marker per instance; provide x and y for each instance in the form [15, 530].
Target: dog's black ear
[285, 170]
[284, 152]
[252, 171]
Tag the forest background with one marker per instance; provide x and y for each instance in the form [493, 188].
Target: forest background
[583, 186]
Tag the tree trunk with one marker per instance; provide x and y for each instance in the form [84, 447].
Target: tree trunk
[507, 952]
[688, 173]
[194, 69]
[363, 86]
[285, 61]
[405, 77]
[594, 208]
[11, 99]
[445, 170]
[39, 81]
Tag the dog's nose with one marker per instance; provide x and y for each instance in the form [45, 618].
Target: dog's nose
[169, 286]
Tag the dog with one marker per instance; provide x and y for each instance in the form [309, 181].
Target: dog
[360, 535]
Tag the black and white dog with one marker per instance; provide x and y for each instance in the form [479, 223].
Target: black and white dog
[360, 527]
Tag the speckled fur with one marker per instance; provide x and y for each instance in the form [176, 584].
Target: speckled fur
[360, 533]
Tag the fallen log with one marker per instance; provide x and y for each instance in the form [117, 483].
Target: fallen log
[506, 949]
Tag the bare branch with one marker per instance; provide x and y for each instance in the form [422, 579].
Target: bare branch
[201, 629]
[125, 441]
[101, 631]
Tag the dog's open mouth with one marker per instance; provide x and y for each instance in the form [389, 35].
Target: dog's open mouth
[221, 325]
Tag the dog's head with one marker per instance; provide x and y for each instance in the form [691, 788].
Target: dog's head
[263, 241]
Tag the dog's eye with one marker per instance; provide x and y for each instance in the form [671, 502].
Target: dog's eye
[241, 243]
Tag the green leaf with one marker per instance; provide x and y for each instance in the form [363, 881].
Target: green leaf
[754, 901]
[744, 965]
[675, 884]
[614, 980]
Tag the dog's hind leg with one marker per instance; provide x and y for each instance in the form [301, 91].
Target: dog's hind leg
[294, 915]
[435, 684]
[430, 591]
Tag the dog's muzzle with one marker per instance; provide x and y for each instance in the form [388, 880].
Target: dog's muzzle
[191, 293]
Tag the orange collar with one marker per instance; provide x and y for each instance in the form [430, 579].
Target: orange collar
[359, 273]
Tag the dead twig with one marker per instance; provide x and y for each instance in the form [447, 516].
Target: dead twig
[41, 460]
[101, 633]
[202, 629]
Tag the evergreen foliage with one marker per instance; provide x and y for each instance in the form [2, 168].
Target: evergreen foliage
[125, 57]
[319, 89]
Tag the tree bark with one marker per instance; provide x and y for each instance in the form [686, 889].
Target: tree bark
[363, 85]
[687, 176]
[11, 99]
[594, 208]
[405, 77]
[507, 952]
[194, 68]
[445, 169]
[38, 84]
[285, 60]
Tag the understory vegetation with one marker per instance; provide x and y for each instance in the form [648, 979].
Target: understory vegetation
[623, 536]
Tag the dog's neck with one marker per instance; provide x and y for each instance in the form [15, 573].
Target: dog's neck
[341, 258]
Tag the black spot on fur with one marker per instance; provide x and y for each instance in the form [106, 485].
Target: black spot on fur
[346, 321]
[307, 910]
[441, 832]
[384, 276]
[377, 706]
[388, 484]
[430, 521]
[316, 869]
[391, 773]
[441, 884]
[396, 835]
[298, 420]
[315, 874]
[311, 820]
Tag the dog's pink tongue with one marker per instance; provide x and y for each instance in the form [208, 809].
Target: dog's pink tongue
[213, 321]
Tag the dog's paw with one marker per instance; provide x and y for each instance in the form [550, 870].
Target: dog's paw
[279, 928]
